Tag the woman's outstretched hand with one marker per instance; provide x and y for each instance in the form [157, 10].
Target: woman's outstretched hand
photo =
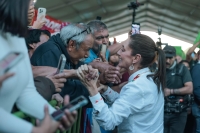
[89, 78]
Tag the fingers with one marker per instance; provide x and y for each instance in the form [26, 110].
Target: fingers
[69, 118]
[61, 128]
[6, 76]
[66, 99]
[103, 57]
[46, 111]
[59, 75]
[58, 89]
[81, 73]
[79, 76]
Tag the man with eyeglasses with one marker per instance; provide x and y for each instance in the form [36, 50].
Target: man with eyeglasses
[178, 87]
[74, 41]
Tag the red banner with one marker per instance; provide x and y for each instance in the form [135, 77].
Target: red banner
[53, 25]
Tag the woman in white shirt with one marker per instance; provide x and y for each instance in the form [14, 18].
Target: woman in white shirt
[20, 88]
[138, 108]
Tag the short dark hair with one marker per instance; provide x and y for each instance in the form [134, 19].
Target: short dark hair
[33, 36]
[97, 25]
[14, 16]
[146, 47]
[184, 61]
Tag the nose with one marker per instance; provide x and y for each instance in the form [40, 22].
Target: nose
[104, 40]
[167, 60]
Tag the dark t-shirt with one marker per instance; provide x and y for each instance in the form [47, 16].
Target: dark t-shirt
[177, 77]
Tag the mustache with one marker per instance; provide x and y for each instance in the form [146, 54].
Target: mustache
[167, 64]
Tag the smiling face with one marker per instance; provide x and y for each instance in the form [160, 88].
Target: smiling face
[125, 57]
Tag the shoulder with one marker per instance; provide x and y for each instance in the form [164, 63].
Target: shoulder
[45, 48]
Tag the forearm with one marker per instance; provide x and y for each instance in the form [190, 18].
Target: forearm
[189, 52]
[71, 73]
[98, 65]
[113, 49]
[110, 95]
[43, 70]
[182, 91]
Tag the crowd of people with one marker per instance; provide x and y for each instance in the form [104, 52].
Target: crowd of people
[133, 87]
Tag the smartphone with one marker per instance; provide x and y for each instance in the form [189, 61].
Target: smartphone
[135, 28]
[9, 61]
[61, 64]
[103, 49]
[73, 105]
[41, 12]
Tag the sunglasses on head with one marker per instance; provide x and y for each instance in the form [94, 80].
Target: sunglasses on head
[87, 30]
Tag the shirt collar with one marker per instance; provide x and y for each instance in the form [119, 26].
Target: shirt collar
[92, 53]
[141, 71]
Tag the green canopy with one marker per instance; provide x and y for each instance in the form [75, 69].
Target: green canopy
[180, 52]
[197, 39]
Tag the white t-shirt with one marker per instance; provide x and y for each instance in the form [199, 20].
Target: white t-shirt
[139, 108]
[19, 88]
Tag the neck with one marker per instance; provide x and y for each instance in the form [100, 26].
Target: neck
[174, 64]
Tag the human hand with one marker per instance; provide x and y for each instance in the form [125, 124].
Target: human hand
[31, 13]
[69, 118]
[58, 80]
[103, 58]
[38, 24]
[47, 125]
[112, 74]
[88, 77]
[58, 98]
[4, 77]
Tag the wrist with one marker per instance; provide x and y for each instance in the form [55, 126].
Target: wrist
[92, 90]
[105, 88]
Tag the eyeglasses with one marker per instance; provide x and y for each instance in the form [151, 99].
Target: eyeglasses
[88, 31]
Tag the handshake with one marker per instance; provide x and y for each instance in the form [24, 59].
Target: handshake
[89, 78]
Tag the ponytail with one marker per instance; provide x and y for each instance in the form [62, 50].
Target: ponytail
[159, 76]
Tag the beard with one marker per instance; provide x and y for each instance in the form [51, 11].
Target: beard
[82, 59]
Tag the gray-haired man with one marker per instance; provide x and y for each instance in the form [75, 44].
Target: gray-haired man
[74, 42]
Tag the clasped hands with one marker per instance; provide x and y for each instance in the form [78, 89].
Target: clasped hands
[89, 77]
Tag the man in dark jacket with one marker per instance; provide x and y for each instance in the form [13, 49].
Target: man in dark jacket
[74, 42]
[196, 106]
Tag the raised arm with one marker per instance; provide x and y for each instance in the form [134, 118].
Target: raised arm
[189, 52]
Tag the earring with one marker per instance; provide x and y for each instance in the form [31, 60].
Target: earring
[131, 67]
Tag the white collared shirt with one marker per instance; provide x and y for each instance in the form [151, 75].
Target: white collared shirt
[139, 108]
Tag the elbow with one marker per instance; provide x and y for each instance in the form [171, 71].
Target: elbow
[190, 89]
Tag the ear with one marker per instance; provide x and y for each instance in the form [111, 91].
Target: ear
[71, 45]
[136, 58]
